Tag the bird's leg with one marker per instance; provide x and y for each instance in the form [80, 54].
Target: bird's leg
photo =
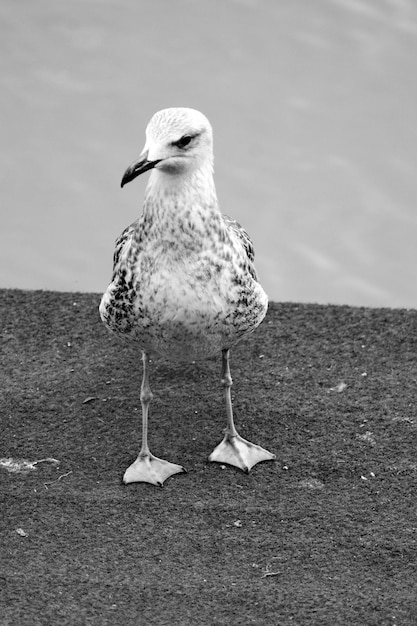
[148, 468]
[234, 450]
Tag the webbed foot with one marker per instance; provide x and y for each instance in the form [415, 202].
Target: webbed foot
[234, 450]
[149, 469]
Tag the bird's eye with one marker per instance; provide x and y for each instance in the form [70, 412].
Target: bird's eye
[184, 141]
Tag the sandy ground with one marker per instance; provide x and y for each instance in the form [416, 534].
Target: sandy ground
[325, 535]
[314, 108]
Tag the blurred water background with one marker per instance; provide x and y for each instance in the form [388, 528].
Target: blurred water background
[314, 109]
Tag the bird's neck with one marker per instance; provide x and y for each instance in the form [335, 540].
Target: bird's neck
[186, 199]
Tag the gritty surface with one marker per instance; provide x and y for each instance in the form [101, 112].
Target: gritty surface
[325, 535]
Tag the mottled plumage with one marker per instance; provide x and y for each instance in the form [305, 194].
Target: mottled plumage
[184, 284]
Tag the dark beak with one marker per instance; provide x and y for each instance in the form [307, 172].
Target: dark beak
[137, 168]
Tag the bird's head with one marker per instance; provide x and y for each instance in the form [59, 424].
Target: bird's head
[178, 141]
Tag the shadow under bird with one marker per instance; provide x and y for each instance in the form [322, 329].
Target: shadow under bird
[184, 285]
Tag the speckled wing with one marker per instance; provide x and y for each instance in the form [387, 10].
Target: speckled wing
[121, 242]
[245, 241]
[117, 304]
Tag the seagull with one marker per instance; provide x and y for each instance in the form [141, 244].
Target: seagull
[184, 285]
